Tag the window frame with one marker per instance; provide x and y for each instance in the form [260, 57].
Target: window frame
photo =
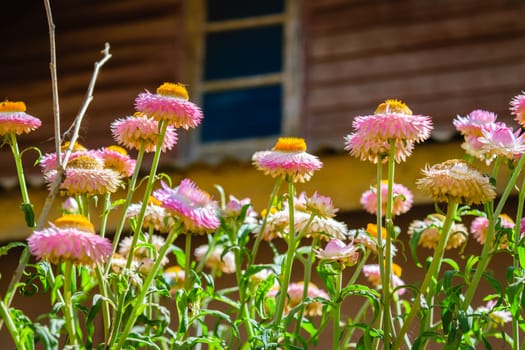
[190, 148]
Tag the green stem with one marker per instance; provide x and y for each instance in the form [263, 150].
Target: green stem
[19, 168]
[515, 256]
[432, 271]
[187, 265]
[487, 247]
[290, 254]
[380, 243]
[69, 312]
[258, 239]
[139, 299]
[106, 317]
[105, 214]
[11, 326]
[360, 313]
[336, 313]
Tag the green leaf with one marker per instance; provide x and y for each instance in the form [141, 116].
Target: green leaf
[6, 248]
[29, 214]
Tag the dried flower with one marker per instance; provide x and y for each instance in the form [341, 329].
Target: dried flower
[454, 178]
[288, 158]
[170, 103]
[402, 196]
[431, 228]
[139, 131]
[192, 206]
[14, 119]
[70, 238]
[517, 108]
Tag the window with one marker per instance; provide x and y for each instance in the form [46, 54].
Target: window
[241, 55]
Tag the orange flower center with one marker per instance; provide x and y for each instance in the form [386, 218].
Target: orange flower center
[393, 106]
[76, 147]
[290, 144]
[117, 149]
[84, 162]
[8, 106]
[396, 269]
[154, 201]
[174, 90]
[75, 221]
[372, 230]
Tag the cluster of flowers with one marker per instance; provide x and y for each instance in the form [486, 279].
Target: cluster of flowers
[387, 136]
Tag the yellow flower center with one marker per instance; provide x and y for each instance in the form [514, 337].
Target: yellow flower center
[84, 162]
[372, 230]
[77, 221]
[117, 149]
[264, 212]
[505, 217]
[175, 90]
[8, 106]
[154, 201]
[393, 106]
[396, 269]
[290, 144]
[76, 147]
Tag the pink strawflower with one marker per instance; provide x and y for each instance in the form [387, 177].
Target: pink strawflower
[14, 119]
[216, 260]
[175, 276]
[431, 228]
[337, 250]
[295, 297]
[369, 238]
[480, 225]
[86, 175]
[170, 103]
[49, 161]
[375, 150]
[116, 158]
[474, 122]
[501, 141]
[288, 158]
[139, 131]
[155, 217]
[517, 108]
[402, 197]
[192, 206]
[70, 238]
[233, 209]
[373, 274]
[145, 253]
[317, 204]
[70, 206]
[498, 315]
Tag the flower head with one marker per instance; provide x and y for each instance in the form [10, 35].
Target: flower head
[192, 206]
[430, 229]
[146, 251]
[368, 237]
[402, 196]
[155, 217]
[288, 158]
[217, 259]
[14, 119]
[317, 204]
[337, 250]
[70, 238]
[135, 132]
[117, 158]
[498, 315]
[474, 122]
[373, 274]
[170, 103]
[454, 178]
[517, 108]
[295, 297]
[501, 141]
[375, 150]
[480, 225]
[175, 277]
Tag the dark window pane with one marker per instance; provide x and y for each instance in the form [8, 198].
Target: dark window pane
[239, 53]
[219, 10]
[243, 113]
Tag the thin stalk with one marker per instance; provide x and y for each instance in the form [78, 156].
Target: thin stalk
[106, 316]
[380, 243]
[11, 326]
[104, 219]
[432, 271]
[516, 239]
[69, 312]
[487, 248]
[19, 170]
[360, 313]
[290, 255]
[187, 265]
[139, 299]
[336, 313]
[258, 239]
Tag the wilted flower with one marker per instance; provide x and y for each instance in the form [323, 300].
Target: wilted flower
[170, 103]
[295, 297]
[155, 216]
[116, 158]
[216, 259]
[139, 131]
[373, 274]
[192, 206]
[14, 119]
[454, 178]
[402, 197]
[288, 158]
[337, 250]
[70, 238]
[480, 225]
[431, 228]
[517, 108]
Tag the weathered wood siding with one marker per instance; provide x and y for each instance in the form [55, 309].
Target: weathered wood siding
[145, 38]
[442, 58]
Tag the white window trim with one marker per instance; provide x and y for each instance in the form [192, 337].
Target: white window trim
[191, 150]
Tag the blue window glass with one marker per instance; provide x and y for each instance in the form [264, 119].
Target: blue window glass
[242, 113]
[219, 10]
[238, 53]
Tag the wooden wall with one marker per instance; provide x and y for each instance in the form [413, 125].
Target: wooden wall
[442, 58]
[145, 39]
